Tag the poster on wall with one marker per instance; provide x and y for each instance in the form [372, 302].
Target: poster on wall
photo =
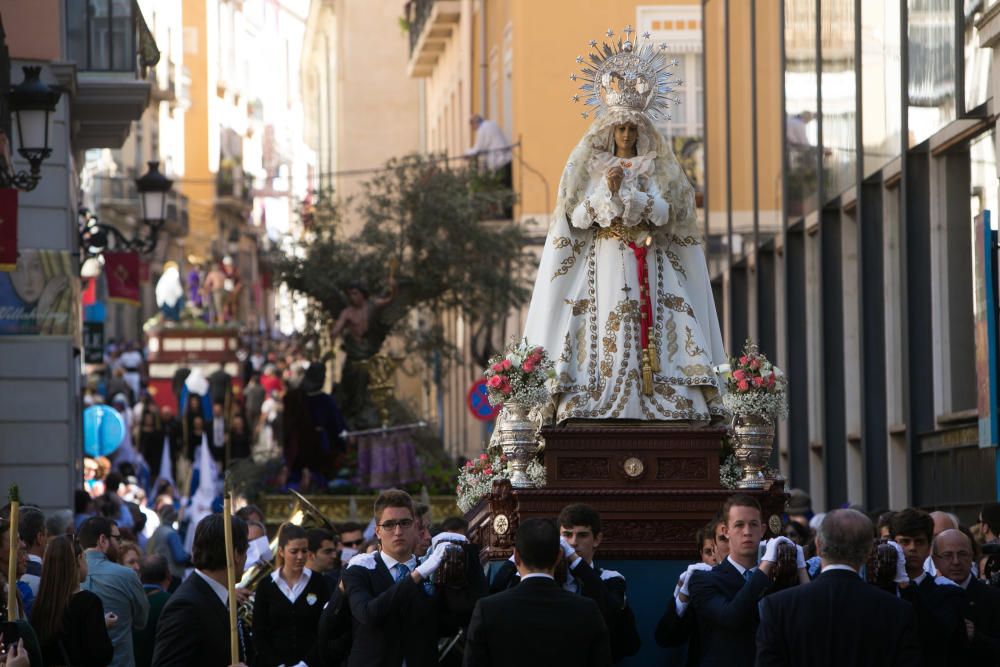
[985, 318]
[41, 295]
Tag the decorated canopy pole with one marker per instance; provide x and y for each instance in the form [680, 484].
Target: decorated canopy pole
[227, 514]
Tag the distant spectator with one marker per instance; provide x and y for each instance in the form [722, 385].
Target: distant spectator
[31, 527]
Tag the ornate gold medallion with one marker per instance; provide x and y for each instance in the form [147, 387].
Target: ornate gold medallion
[501, 524]
[633, 467]
[774, 523]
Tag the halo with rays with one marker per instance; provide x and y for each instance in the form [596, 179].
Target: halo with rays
[627, 75]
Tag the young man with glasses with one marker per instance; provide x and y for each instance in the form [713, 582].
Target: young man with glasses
[117, 586]
[395, 616]
[953, 555]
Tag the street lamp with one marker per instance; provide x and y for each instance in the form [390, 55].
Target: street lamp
[31, 102]
[153, 189]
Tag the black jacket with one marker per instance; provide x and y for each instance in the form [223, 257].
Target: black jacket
[392, 621]
[836, 620]
[84, 640]
[982, 607]
[605, 587]
[286, 632]
[537, 623]
[726, 605]
[940, 624]
[193, 629]
[334, 641]
[676, 631]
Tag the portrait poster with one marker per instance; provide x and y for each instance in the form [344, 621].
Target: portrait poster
[985, 322]
[41, 296]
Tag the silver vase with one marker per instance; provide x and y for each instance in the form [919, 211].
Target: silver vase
[753, 438]
[518, 441]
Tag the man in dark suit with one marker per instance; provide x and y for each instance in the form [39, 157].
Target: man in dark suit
[725, 599]
[396, 617]
[937, 608]
[838, 619]
[953, 556]
[194, 626]
[568, 629]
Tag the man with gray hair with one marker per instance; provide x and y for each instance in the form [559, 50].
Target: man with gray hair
[838, 619]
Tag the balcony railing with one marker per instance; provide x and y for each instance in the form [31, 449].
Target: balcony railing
[108, 36]
[417, 13]
[430, 24]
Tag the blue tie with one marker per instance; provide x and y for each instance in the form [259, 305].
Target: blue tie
[747, 574]
[400, 570]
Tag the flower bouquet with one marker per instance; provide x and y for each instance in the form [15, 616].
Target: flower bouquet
[756, 397]
[476, 477]
[519, 375]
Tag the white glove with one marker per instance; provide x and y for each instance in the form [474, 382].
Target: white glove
[771, 550]
[682, 586]
[569, 553]
[448, 537]
[944, 581]
[800, 558]
[901, 576]
[427, 568]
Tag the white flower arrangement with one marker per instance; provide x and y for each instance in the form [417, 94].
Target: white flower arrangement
[476, 477]
[520, 375]
[754, 386]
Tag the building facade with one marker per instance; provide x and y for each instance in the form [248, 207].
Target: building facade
[851, 152]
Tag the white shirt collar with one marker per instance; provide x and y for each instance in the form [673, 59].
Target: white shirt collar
[739, 568]
[221, 591]
[537, 575]
[34, 558]
[292, 592]
[391, 562]
[838, 566]
[919, 580]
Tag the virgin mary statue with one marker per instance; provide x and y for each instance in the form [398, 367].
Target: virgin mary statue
[622, 300]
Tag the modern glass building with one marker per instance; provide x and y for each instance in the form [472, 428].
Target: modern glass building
[851, 150]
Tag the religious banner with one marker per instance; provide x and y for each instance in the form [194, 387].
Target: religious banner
[121, 270]
[8, 229]
[41, 295]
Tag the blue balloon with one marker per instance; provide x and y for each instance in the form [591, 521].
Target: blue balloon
[103, 430]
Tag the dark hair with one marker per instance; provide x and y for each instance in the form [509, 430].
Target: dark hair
[990, 514]
[289, 532]
[912, 522]
[393, 498]
[246, 511]
[364, 292]
[81, 501]
[739, 500]
[884, 521]
[112, 481]
[317, 536]
[972, 540]
[579, 514]
[350, 527]
[153, 569]
[455, 524]
[91, 530]
[537, 543]
[30, 524]
[210, 542]
[714, 524]
[802, 533]
[60, 579]
[845, 536]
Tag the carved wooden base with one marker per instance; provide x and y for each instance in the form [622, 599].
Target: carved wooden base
[654, 485]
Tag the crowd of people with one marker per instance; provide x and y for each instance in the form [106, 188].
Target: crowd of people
[405, 591]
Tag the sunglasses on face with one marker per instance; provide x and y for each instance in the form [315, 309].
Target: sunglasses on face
[353, 543]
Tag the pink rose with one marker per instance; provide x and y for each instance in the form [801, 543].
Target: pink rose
[497, 367]
[482, 457]
[754, 364]
[743, 360]
[770, 381]
[739, 376]
[488, 471]
[506, 364]
[538, 352]
[743, 385]
[505, 386]
[495, 382]
[468, 464]
[528, 366]
[758, 381]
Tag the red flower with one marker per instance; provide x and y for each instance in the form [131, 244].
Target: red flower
[495, 382]
[529, 365]
[538, 352]
[468, 464]
[743, 360]
[488, 471]
[754, 364]
[758, 381]
[743, 385]
[771, 381]
[482, 457]
[739, 375]
[497, 367]
[505, 364]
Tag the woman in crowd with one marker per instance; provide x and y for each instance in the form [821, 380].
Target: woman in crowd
[288, 604]
[70, 622]
[129, 555]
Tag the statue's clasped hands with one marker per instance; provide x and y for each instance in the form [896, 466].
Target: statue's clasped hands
[615, 177]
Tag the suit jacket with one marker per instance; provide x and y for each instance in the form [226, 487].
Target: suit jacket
[193, 629]
[284, 632]
[565, 629]
[675, 631]
[940, 623]
[605, 587]
[726, 605]
[334, 640]
[982, 607]
[393, 621]
[836, 620]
